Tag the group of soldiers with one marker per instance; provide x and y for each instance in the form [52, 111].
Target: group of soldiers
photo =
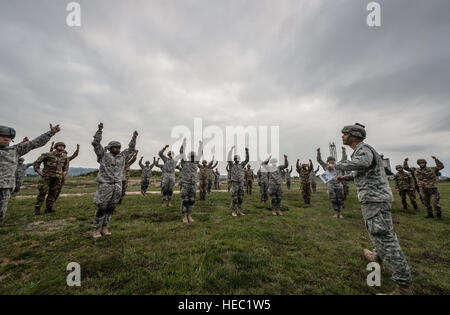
[365, 168]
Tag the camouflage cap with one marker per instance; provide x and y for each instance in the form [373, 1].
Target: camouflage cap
[7, 132]
[356, 130]
[57, 144]
[113, 144]
[421, 161]
[237, 157]
[147, 162]
[21, 159]
[171, 153]
[204, 162]
[331, 158]
[398, 166]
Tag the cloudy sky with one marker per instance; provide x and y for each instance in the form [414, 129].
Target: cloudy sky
[307, 66]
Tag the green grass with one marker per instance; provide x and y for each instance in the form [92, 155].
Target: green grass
[152, 252]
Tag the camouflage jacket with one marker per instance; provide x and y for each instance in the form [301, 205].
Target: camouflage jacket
[426, 177]
[216, 176]
[274, 173]
[288, 174]
[248, 175]
[128, 166]
[211, 175]
[170, 164]
[403, 181]
[9, 157]
[55, 164]
[262, 174]
[204, 171]
[146, 170]
[304, 173]
[237, 169]
[332, 184]
[112, 166]
[369, 175]
[21, 170]
[189, 168]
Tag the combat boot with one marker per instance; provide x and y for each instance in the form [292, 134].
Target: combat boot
[37, 211]
[190, 218]
[400, 290]
[371, 256]
[439, 216]
[340, 216]
[234, 214]
[279, 212]
[335, 215]
[185, 218]
[429, 215]
[170, 204]
[97, 233]
[49, 210]
[274, 212]
[239, 211]
[163, 203]
[105, 231]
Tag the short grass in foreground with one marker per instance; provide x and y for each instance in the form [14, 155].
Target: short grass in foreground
[152, 252]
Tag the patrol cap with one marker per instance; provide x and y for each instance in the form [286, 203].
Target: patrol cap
[237, 157]
[7, 132]
[421, 161]
[21, 159]
[331, 158]
[356, 130]
[147, 162]
[171, 153]
[398, 166]
[113, 144]
[57, 144]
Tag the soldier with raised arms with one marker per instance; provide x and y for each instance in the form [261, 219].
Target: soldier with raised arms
[376, 199]
[275, 183]
[146, 174]
[404, 184]
[110, 178]
[9, 158]
[168, 176]
[236, 168]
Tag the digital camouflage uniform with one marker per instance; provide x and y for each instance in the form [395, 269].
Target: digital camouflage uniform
[216, 180]
[248, 179]
[211, 177]
[9, 157]
[237, 181]
[263, 181]
[288, 178]
[127, 175]
[146, 175]
[313, 179]
[305, 187]
[427, 182]
[335, 188]
[168, 175]
[404, 184]
[275, 181]
[55, 165]
[110, 178]
[376, 199]
[20, 175]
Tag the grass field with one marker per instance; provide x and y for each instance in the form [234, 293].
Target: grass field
[152, 252]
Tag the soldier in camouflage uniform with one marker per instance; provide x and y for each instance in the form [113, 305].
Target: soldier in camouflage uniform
[313, 179]
[110, 178]
[217, 179]
[263, 180]
[9, 158]
[73, 156]
[146, 174]
[275, 182]
[127, 174]
[304, 172]
[288, 178]
[236, 168]
[248, 179]
[205, 169]
[188, 176]
[168, 176]
[335, 188]
[427, 181]
[376, 199]
[228, 178]
[56, 166]
[20, 174]
[211, 177]
[404, 184]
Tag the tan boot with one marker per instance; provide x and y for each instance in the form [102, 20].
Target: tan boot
[240, 212]
[170, 204]
[164, 204]
[185, 218]
[400, 290]
[340, 216]
[97, 233]
[234, 214]
[190, 218]
[371, 256]
[335, 215]
[105, 231]
[279, 212]
[274, 212]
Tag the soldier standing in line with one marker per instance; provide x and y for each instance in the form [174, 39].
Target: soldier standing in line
[249, 178]
[237, 181]
[127, 174]
[304, 171]
[73, 156]
[345, 184]
[20, 174]
[110, 178]
[288, 178]
[146, 174]
[376, 198]
[204, 176]
[427, 181]
[313, 179]
[263, 180]
[9, 158]
[275, 184]
[217, 179]
[168, 176]
[56, 166]
[211, 176]
[335, 188]
[404, 184]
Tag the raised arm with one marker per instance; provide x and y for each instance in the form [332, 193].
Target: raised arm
[285, 165]
[297, 166]
[140, 162]
[266, 161]
[154, 163]
[131, 146]
[311, 167]
[96, 143]
[230, 155]
[439, 164]
[133, 158]
[320, 161]
[406, 166]
[51, 146]
[25, 147]
[75, 154]
[161, 154]
[247, 158]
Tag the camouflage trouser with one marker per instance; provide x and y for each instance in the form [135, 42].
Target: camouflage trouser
[63, 181]
[313, 186]
[336, 195]
[412, 197]
[210, 183]
[49, 186]
[431, 197]
[188, 192]
[203, 185]
[249, 187]
[124, 187]
[145, 182]
[106, 198]
[288, 184]
[385, 242]
[263, 191]
[167, 183]
[228, 184]
[19, 182]
[275, 192]
[216, 185]
[237, 195]
[5, 194]
[306, 192]
[346, 189]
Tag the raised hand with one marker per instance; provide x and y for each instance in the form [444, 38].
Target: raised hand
[135, 133]
[433, 157]
[318, 150]
[100, 126]
[55, 129]
[26, 140]
[407, 159]
[78, 147]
